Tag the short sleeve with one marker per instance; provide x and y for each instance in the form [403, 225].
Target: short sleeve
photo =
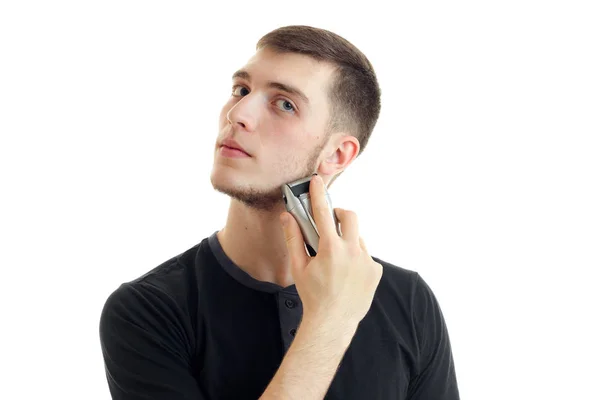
[436, 378]
[146, 346]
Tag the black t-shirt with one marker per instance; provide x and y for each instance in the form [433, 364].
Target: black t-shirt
[198, 327]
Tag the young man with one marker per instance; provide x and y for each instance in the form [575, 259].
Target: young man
[247, 313]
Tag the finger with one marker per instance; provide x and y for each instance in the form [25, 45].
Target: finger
[320, 208]
[348, 224]
[294, 241]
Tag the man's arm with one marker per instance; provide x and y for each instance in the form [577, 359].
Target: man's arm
[437, 377]
[146, 346]
[312, 360]
[336, 287]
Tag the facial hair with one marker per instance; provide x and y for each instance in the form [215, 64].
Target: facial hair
[265, 200]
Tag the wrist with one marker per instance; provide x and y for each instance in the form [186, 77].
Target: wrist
[328, 328]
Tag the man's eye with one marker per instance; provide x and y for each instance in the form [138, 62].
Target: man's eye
[285, 105]
[239, 91]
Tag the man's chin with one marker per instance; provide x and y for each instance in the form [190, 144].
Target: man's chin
[256, 198]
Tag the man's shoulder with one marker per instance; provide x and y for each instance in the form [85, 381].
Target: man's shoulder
[172, 281]
[405, 288]
[156, 309]
[173, 270]
[397, 278]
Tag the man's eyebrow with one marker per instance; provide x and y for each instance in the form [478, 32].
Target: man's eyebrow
[243, 74]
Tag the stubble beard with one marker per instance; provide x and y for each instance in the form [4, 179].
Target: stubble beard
[267, 199]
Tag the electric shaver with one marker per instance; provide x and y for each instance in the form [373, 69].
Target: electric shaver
[297, 202]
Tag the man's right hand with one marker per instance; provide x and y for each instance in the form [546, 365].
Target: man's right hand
[336, 287]
[339, 283]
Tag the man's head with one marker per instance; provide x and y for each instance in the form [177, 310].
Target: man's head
[306, 102]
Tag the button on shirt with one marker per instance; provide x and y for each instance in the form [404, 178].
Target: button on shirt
[199, 327]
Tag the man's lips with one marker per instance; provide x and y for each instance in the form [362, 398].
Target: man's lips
[232, 144]
[232, 152]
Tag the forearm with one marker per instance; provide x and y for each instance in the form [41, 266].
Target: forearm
[311, 362]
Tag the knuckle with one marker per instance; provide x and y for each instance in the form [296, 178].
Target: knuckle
[289, 239]
[322, 208]
[327, 246]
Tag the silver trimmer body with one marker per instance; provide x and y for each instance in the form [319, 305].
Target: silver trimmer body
[296, 196]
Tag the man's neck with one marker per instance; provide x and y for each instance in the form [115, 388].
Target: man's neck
[255, 242]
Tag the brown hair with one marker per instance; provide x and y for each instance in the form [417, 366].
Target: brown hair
[354, 94]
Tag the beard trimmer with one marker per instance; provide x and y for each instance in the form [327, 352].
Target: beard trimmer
[296, 196]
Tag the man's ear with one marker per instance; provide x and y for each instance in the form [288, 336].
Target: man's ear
[340, 154]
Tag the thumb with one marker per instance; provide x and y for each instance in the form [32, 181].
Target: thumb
[294, 241]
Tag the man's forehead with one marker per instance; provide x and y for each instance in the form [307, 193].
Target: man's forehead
[292, 68]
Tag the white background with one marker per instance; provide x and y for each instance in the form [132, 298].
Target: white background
[483, 173]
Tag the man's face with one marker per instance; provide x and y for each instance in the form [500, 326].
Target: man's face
[282, 131]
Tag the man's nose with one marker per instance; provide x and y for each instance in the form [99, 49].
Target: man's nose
[246, 111]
